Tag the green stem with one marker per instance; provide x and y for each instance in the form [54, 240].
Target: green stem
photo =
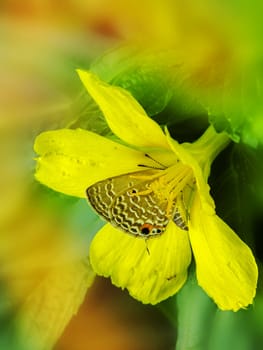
[195, 314]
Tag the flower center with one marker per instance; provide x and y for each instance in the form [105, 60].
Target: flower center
[173, 189]
[173, 180]
[174, 186]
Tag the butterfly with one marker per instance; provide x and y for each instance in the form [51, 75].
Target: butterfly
[127, 202]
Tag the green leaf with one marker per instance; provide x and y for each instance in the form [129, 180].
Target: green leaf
[238, 109]
[195, 312]
[237, 188]
[240, 330]
[148, 85]
[236, 105]
[231, 331]
[88, 116]
[155, 79]
[144, 75]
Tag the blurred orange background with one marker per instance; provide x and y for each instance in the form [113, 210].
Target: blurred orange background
[42, 43]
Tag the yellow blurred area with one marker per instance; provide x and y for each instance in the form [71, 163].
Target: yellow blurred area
[42, 42]
[207, 37]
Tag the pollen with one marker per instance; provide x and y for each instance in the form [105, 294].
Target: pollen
[172, 184]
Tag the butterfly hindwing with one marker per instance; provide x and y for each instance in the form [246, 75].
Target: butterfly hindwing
[127, 202]
[119, 201]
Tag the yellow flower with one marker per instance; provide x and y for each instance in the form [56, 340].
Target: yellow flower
[71, 161]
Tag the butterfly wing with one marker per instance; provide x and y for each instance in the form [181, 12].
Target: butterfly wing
[127, 203]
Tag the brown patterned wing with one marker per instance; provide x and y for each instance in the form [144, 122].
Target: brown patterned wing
[120, 201]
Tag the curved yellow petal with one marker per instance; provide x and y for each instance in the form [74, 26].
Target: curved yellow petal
[225, 266]
[182, 152]
[71, 160]
[152, 270]
[124, 115]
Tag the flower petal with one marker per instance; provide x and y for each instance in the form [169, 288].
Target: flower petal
[52, 304]
[225, 266]
[182, 152]
[151, 270]
[71, 160]
[125, 116]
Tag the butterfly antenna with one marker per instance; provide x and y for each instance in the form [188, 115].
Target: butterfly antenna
[154, 160]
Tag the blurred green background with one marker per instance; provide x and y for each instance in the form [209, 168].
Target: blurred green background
[189, 64]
